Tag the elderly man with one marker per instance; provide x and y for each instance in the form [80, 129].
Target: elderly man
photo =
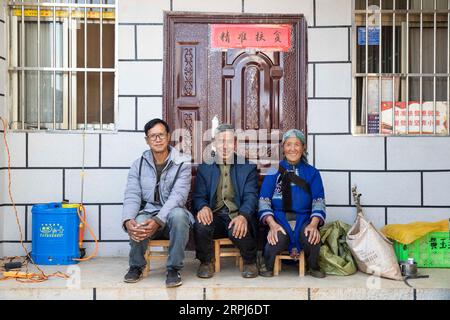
[225, 199]
[156, 192]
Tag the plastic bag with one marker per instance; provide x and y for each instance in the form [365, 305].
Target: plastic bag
[408, 233]
[335, 257]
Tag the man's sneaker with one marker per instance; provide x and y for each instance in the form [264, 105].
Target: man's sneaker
[317, 273]
[173, 279]
[133, 275]
[250, 270]
[205, 270]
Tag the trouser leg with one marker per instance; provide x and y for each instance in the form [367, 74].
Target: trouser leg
[204, 236]
[177, 229]
[311, 250]
[271, 251]
[246, 245]
[137, 251]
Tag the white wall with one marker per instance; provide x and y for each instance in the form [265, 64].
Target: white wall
[3, 113]
[401, 179]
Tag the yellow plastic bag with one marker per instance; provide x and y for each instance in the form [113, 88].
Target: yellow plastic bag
[408, 233]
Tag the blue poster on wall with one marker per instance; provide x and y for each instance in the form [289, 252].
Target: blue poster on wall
[374, 36]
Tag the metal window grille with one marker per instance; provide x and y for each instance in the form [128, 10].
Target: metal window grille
[53, 59]
[401, 67]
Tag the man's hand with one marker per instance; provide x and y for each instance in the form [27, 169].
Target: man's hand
[148, 228]
[139, 232]
[205, 216]
[133, 230]
[240, 226]
[312, 232]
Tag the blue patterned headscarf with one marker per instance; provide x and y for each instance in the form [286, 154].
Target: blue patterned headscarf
[295, 133]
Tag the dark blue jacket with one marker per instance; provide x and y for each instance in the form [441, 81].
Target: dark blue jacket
[245, 183]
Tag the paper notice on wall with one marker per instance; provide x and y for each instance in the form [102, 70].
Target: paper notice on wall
[411, 124]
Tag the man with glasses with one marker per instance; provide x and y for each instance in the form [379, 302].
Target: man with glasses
[154, 203]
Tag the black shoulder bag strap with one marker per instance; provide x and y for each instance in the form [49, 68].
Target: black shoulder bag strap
[295, 179]
[143, 203]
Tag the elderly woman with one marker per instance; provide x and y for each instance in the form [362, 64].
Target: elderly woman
[292, 204]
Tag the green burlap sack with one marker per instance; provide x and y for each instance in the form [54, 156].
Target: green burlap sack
[335, 257]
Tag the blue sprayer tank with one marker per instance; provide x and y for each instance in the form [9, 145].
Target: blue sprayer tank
[55, 234]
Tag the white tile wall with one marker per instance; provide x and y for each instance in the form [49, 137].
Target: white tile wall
[127, 113]
[17, 149]
[10, 229]
[3, 9]
[150, 42]
[436, 188]
[333, 80]
[384, 189]
[3, 108]
[349, 153]
[408, 215]
[3, 40]
[14, 249]
[32, 186]
[62, 150]
[139, 11]
[112, 224]
[348, 215]
[310, 149]
[140, 78]
[333, 12]
[130, 144]
[127, 42]
[419, 153]
[100, 185]
[328, 116]
[3, 75]
[148, 108]
[310, 80]
[305, 7]
[207, 5]
[336, 187]
[328, 44]
[110, 249]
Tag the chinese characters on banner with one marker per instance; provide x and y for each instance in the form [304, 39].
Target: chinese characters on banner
[273, 37]
[401, 120]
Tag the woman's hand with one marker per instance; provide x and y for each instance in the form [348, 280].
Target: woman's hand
[272, 237]
[312, 232]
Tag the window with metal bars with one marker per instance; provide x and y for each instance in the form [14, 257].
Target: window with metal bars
[62, 65]
[401, 74]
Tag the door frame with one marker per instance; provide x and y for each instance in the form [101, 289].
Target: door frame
[298, 22]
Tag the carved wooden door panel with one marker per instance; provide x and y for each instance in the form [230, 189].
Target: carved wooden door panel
[249, 88]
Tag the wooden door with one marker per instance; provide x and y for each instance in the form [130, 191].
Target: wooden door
[249, 88]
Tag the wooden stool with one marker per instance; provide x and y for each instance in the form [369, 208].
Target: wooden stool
[220, 251]
[155, 255]
[285, 256]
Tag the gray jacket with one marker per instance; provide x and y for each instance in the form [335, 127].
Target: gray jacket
[172, 193]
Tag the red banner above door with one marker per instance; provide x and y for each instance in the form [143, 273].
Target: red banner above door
[273, 37]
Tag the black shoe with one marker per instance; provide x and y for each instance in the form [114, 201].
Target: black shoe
[250, 270]
[205, 270]
[264, 272]
[173, 279]
[133, 275]
[317, 273]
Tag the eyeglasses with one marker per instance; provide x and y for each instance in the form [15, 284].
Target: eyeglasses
[153, 137]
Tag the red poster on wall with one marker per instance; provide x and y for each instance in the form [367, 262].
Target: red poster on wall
[272, 37]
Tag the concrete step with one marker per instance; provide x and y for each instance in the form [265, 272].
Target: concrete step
[101, 279]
